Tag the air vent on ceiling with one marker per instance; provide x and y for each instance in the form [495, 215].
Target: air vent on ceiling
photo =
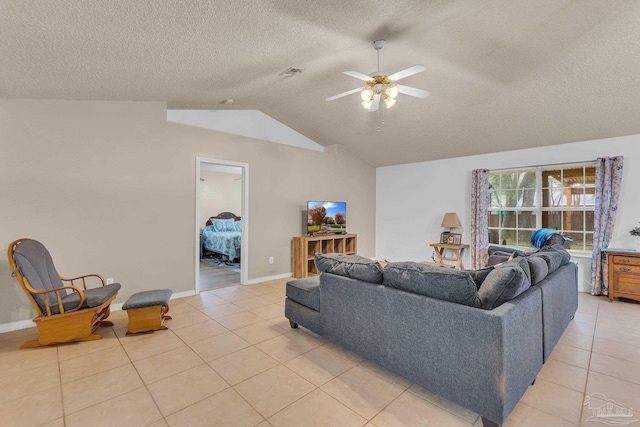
[291, 71]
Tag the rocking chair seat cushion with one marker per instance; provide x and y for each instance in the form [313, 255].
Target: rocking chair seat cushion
[92, 298]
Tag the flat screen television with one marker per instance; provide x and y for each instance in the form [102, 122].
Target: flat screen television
[326, 217]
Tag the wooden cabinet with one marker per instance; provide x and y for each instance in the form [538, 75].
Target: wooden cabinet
[305, 247]
[624, 274]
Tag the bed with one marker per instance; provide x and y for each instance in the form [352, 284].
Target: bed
[223, 235]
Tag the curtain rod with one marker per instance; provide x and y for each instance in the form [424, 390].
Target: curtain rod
[584, 163]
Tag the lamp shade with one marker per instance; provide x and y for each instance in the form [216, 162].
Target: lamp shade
[451, 220]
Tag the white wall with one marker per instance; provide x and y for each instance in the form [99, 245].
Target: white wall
[411, 199]
[219, 192]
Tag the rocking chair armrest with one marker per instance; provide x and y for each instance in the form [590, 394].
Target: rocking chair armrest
[83, 278]
[59, 298]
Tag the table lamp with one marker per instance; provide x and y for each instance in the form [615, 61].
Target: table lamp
[451, 221]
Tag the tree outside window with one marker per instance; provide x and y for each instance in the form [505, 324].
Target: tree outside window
[556, 197]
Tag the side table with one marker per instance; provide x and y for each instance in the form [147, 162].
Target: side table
[457, 251]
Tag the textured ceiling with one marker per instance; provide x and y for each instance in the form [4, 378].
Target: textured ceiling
[503, 74]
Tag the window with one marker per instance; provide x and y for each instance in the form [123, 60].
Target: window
[557, 197]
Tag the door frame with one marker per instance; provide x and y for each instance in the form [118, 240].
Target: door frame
[244, 213]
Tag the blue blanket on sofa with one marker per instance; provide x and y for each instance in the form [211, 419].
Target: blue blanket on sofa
[541, 235]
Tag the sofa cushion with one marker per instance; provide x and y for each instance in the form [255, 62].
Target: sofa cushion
[92, 298]
[504, 283]
[436, 282]
[566, 256]
[353, 266]
[478, 276]
[539, 269]
[305, 292]
[500, 254]
[552, 258]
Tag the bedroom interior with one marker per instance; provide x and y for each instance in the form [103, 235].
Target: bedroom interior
[95, 166]
[220, 195]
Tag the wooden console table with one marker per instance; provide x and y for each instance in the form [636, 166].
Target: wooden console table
[457, 251]
[624, 274]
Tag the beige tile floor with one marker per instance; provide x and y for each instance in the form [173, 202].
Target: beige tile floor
[231, 359]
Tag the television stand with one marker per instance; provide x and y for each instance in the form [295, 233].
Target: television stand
[305, 248]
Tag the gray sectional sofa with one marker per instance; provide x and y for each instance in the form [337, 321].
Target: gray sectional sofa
[433, 325]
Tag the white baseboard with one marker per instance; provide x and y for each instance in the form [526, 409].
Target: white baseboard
[28, 323]
[183, 294]
[15, 326]
[269, 278]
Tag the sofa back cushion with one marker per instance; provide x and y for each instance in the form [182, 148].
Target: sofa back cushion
[436, 282]
[478, 276]
[505, 282]
[555, 256]
[538, 267]
[353, 266]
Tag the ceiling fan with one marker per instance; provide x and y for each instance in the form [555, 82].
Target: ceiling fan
[381, 85]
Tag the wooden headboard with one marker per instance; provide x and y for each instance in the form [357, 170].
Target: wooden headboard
[224, 215]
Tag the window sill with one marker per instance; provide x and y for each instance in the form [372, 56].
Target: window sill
[583, 255]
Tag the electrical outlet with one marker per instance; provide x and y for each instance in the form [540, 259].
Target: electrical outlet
[270, 260]
[109, 280]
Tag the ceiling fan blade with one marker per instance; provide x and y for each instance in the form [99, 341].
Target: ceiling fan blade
[357, 75]
[340, 95]
[376, 103]
[415, 69]
[412, 91]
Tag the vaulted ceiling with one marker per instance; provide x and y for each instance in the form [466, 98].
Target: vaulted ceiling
[503, 74]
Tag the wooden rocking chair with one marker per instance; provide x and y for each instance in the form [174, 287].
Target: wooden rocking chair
[65, 313]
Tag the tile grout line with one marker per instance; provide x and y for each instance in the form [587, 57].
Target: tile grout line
[64, 416]
[586, 382]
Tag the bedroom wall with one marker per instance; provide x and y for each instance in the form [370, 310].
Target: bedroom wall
[109, 187]
[412, 199]
[219, 192]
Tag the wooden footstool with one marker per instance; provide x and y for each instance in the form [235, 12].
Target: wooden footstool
[147, 310]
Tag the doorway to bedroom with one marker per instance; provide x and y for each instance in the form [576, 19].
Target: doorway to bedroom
[221, 224]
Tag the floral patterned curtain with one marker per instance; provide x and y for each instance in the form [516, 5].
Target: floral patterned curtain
[479, 218]
[608, 180]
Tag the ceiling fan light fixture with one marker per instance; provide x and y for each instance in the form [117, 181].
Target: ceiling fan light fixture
[382, 86]
[366, 94]
[391, 91]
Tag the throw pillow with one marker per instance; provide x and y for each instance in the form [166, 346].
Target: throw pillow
[218, 225]
[538, 267]
[237, 226]
[436, 282]
[478, 276]
[519, 262]
[353, 266]
[229, 224]
[553, 259]
[504, 283]
[566, 256]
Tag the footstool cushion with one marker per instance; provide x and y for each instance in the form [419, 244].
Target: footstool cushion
[148, 299]
[147, 310]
